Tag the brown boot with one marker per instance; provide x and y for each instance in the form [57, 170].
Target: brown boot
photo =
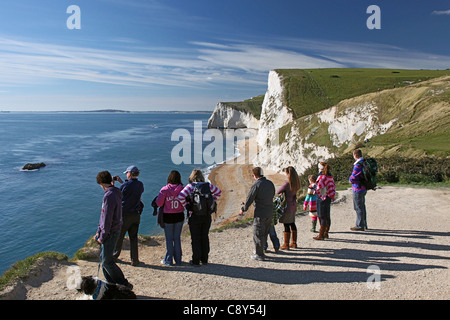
[285, 245]
[321, 232]
[293, 243]
[325, 233]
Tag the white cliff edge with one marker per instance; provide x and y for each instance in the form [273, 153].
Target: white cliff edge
[347, 122]
[226, 117]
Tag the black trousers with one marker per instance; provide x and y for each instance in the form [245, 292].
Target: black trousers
[199, 228]
[131, 221]
[323, 211]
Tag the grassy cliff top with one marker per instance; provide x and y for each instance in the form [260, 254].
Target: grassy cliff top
[312, 90]
[252, 105]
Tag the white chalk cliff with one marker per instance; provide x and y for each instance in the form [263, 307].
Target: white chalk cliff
[303, 142]
[224, 116]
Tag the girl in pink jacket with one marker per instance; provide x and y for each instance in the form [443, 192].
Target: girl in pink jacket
[173, 217]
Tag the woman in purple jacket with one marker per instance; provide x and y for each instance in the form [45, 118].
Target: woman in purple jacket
[173, 217]
[290, 188]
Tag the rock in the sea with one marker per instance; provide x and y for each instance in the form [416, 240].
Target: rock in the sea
[33, 166]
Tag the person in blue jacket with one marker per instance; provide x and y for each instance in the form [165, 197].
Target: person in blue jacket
[132, 190]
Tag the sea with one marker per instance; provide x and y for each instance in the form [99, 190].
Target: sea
[57, 207]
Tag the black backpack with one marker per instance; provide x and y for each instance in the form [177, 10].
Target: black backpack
[369, 173]
[201, 201]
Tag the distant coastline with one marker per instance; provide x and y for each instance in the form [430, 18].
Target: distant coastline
[110, 111]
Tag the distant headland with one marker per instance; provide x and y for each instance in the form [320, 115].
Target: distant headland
[111, 111]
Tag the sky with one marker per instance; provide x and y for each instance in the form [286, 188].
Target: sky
[188, 55]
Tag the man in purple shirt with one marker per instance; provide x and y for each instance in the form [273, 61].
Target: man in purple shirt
[359, 192]
[109, 227]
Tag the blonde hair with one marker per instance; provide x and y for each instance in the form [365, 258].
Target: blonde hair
[196, 176]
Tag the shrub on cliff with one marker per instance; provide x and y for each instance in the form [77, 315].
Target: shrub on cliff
[394, 169]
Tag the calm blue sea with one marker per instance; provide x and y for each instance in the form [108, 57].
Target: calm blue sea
[57, 207]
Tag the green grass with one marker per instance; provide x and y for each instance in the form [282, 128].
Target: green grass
[252, 106]
[21, 269]
[421, 113]
[312, 90]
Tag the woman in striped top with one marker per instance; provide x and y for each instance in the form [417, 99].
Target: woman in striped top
[325, 194]
[198, 224]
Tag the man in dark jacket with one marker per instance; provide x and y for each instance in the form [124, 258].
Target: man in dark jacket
[109, 227]
[261, 195]
[132, 191]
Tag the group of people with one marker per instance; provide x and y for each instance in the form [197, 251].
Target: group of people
[121, 209]
[321, 192]
[173, 199]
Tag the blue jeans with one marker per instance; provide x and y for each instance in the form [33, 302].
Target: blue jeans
[274, 238]
[111, 271]
[359, 203]
[172, 232]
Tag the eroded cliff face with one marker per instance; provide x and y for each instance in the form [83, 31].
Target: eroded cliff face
[227, 117]
[304, 142]
[274, 112]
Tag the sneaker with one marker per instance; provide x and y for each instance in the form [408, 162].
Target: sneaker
[257, 257]
[356, 229]
[164, 262]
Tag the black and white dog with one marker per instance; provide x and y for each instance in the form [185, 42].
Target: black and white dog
[101, 290]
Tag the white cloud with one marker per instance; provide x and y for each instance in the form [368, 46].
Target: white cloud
[202, 64]
[441, 12]
[257, 58]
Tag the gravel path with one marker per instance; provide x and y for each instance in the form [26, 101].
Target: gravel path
[405, 254]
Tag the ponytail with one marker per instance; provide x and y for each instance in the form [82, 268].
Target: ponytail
[323, 166]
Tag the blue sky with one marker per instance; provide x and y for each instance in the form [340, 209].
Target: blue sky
[148, 55]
